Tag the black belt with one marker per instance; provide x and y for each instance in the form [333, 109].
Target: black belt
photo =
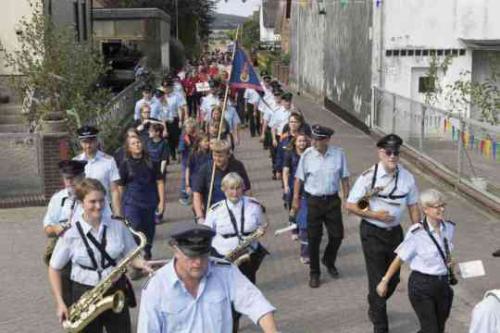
[235, 235]
[365, 222]
[322, 197]
[443, 278]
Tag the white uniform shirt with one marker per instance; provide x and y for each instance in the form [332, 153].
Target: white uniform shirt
[267, 105]
[486, 314]
[153, 103]
[207, 104]
[219, 220]
[406, 185]
[70, 247]
[322, 173]
[61, 208]
[102, 167]
[419, 251]
[170, 106]
[167, 306]
[279, 119]
[251, 96]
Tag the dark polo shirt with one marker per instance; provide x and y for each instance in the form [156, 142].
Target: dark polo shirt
[202, 180]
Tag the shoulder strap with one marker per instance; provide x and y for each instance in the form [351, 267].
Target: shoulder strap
[440, 250]
[374, 177]
[233, 220]
[106, 260]
[90, 252]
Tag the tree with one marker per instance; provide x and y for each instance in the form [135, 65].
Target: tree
[250, 37]
[57, 71]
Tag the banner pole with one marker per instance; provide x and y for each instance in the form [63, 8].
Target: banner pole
[224, 105]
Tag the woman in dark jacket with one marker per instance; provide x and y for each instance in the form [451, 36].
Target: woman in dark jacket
[143, 190]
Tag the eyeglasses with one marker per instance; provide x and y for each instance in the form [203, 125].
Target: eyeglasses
[391, 152]
[442, 205]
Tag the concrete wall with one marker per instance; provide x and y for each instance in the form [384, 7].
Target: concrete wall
[348, 58]
[427, 25]
[12, 11]
[307, 49]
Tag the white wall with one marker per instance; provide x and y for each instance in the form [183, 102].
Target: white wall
[266, 34]
[12, 11]
[432, 24]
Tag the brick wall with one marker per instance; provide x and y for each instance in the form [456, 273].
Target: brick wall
[55, 147]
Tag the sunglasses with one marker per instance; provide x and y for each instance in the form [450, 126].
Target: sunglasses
[391, 152]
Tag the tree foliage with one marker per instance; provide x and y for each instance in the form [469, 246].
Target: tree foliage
[58, 72]
[250, 37]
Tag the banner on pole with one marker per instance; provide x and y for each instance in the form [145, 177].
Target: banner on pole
[243, 74]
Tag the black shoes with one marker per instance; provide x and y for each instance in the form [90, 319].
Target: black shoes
[332, 270]
[496, 253]
[314, 281]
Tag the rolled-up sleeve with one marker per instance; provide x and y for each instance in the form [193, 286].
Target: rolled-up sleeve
[344, 171]
[358, 191]
[52, 215]
[407, 249]
[247, 299]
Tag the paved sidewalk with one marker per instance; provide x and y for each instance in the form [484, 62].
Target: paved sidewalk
[338, 306]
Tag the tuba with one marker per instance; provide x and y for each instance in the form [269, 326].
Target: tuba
[93, 302]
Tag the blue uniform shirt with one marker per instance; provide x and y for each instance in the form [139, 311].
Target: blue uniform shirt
[321, 174]
[167, 306]
[153, 103]
[60, 209]
[419, 251]
[406, 186]
[101, 167]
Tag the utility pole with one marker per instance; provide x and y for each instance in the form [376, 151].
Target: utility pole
[177, 19]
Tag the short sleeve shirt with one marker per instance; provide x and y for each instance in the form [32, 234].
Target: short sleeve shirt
[60, 209]
[102, 167]
[167, 306]
[320, 173]
[405, 187]
[71, 248]
[218, 218]
[419, 251]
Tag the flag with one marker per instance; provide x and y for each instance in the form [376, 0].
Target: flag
[242, 73]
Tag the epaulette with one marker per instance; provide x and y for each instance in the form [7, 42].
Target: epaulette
[216, 205]
[416, 227]
[255, 201]
[366, 172]
[220, 261]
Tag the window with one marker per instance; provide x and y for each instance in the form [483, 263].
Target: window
[426, 84]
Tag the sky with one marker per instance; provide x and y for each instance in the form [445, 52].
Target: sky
[238, 7]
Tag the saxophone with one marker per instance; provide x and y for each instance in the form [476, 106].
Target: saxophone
[241, 253]
[93, 302]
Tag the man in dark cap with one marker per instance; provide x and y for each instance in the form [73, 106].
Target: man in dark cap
[147, 98]
[380, 196]
[322, 169]
[59, 214]
[195, 293]
[100, 165]
[63, 202]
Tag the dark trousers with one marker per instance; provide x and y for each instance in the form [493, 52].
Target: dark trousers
[113, 322]
[192, 103]
[253, 117]
[66, 284]
[268, 138]
[431, 298]
[142, 219]
[174, 133]
[323, 211]
[249, 269]
[378, 248]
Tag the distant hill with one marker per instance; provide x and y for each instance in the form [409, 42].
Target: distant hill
[226, 21]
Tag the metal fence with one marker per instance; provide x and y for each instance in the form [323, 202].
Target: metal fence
[467, 148]
[20, 171]
[115, 120]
